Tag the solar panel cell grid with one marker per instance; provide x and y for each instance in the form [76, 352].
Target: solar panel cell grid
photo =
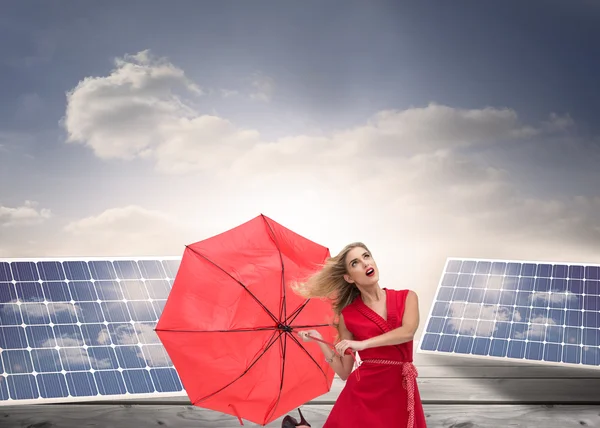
[83, 329]
[539, 312]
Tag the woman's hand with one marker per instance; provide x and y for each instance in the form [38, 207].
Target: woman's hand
[354, 345]
[307, 335]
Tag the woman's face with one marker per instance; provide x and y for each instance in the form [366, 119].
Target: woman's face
[361, 268]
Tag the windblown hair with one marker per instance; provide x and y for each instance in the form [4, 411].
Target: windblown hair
[329, 282]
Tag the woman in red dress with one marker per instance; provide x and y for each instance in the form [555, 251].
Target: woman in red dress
[379, 324]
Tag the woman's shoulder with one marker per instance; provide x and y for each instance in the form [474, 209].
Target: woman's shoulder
[401, 291]
[402, 294]
[350, 307]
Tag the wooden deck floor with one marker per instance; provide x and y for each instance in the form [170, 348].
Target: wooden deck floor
[457, 393]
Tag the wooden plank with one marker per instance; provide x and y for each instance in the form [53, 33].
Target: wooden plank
[438, 416]
[514, 390]
[477, 390]
[430, 365]
[504, 372]
[497, 390]
[422, 360]
[514, 416]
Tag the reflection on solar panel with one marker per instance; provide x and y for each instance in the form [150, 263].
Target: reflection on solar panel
[529, 311]
[83, 329]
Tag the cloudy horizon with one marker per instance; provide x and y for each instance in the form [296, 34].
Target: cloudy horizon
[427, 132]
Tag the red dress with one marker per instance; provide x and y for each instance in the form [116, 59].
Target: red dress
[383, 391]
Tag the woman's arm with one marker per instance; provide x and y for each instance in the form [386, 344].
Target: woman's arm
[406, 333]
[342, 365]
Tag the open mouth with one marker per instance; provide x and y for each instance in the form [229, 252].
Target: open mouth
[370, 272]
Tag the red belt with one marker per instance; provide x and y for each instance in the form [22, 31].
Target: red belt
[409, 378]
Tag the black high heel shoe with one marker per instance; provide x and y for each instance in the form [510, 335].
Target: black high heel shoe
[290, 422]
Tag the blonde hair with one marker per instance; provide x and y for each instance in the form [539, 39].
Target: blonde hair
[329, 282]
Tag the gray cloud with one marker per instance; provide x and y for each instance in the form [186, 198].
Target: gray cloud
[263, 86]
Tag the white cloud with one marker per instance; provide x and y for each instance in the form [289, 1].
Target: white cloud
[24, 215]
[127, 217]
[125, 231]
[202, 143]
[437, 126]
[418, 141]
[136, 112]
[129, 112]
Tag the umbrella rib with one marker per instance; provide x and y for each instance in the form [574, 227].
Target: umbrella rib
[283, 353]
[295, 314]
[310, 326]
[282, 308]
[308, 353]
[239, 282]
[272, 340]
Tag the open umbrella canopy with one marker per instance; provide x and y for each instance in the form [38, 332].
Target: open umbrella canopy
[230, 320]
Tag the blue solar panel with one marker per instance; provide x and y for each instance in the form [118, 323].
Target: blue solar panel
[83, 329]
[526, 311]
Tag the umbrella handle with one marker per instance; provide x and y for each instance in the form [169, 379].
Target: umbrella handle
[348, 352]
[331, 345]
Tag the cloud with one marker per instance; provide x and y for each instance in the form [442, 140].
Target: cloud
[201, 144]
[264, 86]
[129, 112]
[492, 320]
[558, 123]
[227, 93]
[24, 215]
[137, 111]
[419, 140]
[418, 184]
[413, 162]
[437, 126]
[124, 231]
[119, 231]
[140, 110]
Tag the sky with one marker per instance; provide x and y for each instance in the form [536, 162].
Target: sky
[425, 129]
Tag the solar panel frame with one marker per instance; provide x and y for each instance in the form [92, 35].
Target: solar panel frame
[34, 287]
[566, 276]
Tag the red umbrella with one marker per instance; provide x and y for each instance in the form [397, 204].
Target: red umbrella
[229, 322]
